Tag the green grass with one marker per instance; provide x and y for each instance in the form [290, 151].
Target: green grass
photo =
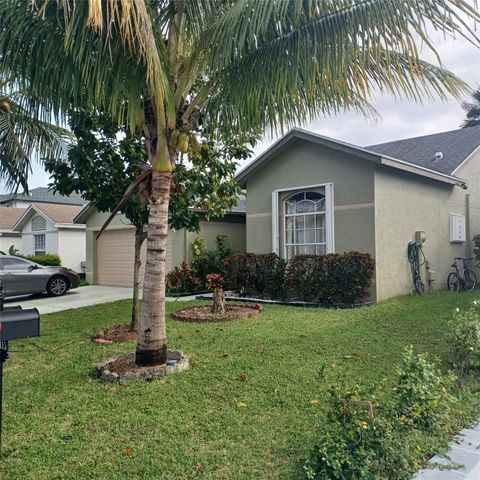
[60, 422]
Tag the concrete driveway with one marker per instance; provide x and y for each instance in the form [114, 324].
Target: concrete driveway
[79, 297]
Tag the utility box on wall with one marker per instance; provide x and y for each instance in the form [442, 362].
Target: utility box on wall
[457, 228]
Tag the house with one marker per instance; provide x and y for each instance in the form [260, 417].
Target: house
[109, 259]
[311, 194]
[39, 195]
[49, 228]
[8, 237]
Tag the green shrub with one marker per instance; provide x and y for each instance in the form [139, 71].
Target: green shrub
[353, 446]
[465, 342]
[356, 446]
[259, 275]
[325, 279]
[47, 259]
[205, 261]
[424, 397]
[476, 249]
[348, 277]
[306, 278]
[182, 279]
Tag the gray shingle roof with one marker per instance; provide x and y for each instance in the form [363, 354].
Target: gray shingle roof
[44, 195]
[455, 145]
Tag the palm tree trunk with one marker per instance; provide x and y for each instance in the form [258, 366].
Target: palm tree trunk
[140, 237]
[152, 338]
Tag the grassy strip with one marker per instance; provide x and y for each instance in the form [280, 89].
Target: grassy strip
[242, 411]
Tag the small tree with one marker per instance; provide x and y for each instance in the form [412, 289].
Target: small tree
[472, 118]
[107, 159]
[101, 166]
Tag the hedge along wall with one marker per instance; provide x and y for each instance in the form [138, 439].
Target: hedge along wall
[324, 279]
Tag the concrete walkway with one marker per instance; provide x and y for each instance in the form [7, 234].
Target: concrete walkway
[461, 462]
[76, 298]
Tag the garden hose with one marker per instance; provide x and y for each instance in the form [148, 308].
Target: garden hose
[416, 258]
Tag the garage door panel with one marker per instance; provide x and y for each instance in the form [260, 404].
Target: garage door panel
[115, 256]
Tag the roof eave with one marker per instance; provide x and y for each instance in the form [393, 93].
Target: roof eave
[369, 155]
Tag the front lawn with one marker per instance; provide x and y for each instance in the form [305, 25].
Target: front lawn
[243, 411]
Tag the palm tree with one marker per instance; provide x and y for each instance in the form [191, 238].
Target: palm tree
[25, 134]
[473, 111]
[166, 66]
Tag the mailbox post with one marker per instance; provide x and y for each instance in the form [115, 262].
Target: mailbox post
[15, 323]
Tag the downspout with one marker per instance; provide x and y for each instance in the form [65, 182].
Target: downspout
[467, 223]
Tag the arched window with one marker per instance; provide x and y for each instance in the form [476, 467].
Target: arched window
[305, 225]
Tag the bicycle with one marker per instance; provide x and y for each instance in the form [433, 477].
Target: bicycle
[461, 277]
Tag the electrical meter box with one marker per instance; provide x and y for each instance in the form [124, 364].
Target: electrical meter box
[457, 228]
[420, 236]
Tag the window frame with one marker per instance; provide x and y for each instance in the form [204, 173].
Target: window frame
[295, 245]
[38, 251]
[328, 189]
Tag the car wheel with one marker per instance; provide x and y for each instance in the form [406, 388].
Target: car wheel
[57, 286]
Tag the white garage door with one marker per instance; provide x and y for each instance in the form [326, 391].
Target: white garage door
[115, 255]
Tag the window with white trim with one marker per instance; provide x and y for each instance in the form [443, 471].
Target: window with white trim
[305, 224]
[39, 244]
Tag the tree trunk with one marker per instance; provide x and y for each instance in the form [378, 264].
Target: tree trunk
[140, 237]
[152, 338]
[218, 301]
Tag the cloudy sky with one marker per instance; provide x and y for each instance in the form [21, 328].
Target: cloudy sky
[399, 118]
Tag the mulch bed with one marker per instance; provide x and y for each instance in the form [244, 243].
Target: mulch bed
[203, 313]
[116, 334]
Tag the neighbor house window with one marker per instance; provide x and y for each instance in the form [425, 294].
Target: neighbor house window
[39, 244]
[305, 224]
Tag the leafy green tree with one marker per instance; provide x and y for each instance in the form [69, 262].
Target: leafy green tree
[25, 134]
[102, 164]
[261, 64]
[472, 118]
[107, 159]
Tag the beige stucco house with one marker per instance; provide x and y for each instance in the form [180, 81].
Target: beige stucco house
[312, 194]
[109, 259]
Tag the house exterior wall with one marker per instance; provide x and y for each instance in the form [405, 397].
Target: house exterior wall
[181, 240]
[7, 240]
[233, 228]
[71, 247]
[51, 238]
[303, 163]
[407, 203]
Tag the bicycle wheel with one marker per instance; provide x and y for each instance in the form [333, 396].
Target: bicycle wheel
[419, 285]
[469, 280]
[453, 282]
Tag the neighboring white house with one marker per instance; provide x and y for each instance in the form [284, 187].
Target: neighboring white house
[49, 228]
[8, 218]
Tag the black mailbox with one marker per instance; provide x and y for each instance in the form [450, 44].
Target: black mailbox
[17, 323]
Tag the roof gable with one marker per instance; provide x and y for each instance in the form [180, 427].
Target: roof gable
[359, 152]
[57, 214]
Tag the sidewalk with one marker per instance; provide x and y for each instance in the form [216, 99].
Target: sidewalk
[462, 461]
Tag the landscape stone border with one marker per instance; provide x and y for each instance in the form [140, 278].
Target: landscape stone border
[177, 361]
[237, 312]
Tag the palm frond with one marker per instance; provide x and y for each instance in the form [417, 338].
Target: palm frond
[26, 137]
[284, 62]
